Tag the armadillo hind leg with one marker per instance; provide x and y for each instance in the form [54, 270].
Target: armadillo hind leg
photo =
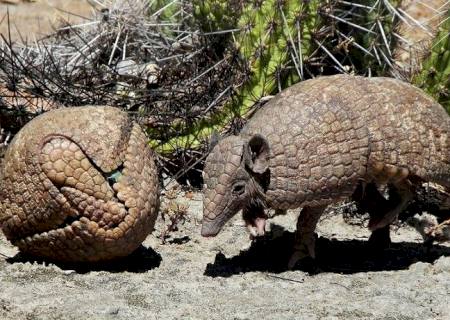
[305, 239]
[380, 239]
[369, 199]
[400, 194]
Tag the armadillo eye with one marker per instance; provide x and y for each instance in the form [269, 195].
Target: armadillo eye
[238, 189]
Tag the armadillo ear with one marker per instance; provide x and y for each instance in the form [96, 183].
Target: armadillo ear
[257, 154]
[214, 140]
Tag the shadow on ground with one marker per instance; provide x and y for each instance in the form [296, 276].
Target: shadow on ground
[141, 260]
[338, 256]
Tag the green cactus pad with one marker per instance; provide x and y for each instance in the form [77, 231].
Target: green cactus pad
[434, 76]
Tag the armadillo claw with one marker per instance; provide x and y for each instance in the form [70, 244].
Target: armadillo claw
[256, 227]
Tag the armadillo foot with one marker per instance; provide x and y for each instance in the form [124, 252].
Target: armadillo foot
[255, 220]
[380, 239]
[306, 264]
[304, 251]
[305, 238]
[256, 227]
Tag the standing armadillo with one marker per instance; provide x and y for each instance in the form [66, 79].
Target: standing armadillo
[315, 142]
[79, 184]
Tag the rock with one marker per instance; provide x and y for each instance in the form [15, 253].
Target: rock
[442, 265]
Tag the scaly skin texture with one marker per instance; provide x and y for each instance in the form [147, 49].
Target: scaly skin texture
[315, 142]
[79, 184]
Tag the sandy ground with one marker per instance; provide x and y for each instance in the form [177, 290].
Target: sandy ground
[228, 277]
[35, 19]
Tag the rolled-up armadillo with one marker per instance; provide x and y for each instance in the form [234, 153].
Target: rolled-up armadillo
[315, 142]
[79, 184]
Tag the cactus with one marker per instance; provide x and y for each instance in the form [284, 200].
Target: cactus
[283, 42]
[216, 15]
[369, 28]
[266, 42]
[165, 10]
[434, 76]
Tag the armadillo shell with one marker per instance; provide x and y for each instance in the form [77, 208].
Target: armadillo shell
[79, 184]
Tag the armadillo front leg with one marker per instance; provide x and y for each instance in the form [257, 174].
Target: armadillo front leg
[305, 240]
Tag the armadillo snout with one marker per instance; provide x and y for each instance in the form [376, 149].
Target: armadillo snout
[222, 168]
[217, 210]
[211, 213]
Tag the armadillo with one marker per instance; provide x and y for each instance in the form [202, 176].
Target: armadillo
[314, 143]
[79, 184]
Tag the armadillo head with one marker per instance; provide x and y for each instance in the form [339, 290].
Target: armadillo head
[232, 177]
